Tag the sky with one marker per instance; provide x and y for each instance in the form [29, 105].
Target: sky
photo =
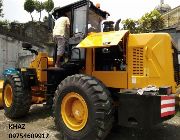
[14, 11]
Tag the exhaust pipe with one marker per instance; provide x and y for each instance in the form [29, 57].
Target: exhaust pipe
[117, 25]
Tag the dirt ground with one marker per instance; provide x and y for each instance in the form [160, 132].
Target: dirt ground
[39, 120]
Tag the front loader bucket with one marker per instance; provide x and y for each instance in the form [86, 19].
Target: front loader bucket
[1, 88]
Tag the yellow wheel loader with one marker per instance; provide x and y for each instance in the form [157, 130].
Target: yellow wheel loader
[109, 78]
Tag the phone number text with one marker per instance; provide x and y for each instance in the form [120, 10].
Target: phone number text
[28, 135]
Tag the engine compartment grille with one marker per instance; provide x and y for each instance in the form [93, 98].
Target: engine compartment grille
[138, 61]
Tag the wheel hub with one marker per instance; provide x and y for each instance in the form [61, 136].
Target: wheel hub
[74, 111]
[78, 110]
[8, 95]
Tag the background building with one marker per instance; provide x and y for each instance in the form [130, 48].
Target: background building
[172, 21]
[172, 24]
[172, 18]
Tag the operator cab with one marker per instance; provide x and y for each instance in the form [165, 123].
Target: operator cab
[82, 14]
[84, 18]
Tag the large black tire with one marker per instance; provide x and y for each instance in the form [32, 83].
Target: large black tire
[99, 104]
[21, 98]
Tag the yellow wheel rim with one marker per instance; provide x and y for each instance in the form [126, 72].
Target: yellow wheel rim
[74, 111]
[8, 95]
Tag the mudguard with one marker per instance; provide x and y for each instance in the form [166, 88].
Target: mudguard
[6, 72]
[10, 71]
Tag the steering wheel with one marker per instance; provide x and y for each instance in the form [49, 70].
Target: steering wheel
[78, 33]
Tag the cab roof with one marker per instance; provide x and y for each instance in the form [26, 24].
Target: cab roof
[78, 4]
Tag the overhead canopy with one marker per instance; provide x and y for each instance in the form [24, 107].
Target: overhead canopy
[77, 4]
[102, 39]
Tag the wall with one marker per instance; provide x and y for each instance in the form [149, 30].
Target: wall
[8, 55]
[11, 38]
[12, 54]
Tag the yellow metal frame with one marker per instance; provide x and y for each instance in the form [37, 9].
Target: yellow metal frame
[40, 63]
[149, 60]
[114, 79]
[1, 88]
[156, 58]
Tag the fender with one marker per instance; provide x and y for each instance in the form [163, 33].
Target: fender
[10, 71]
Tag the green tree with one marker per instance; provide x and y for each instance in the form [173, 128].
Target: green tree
[39, 7]
[131, 25]
[4, 22]
[151, 21]
[29, 6]
[1, 9]
[48, 5]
